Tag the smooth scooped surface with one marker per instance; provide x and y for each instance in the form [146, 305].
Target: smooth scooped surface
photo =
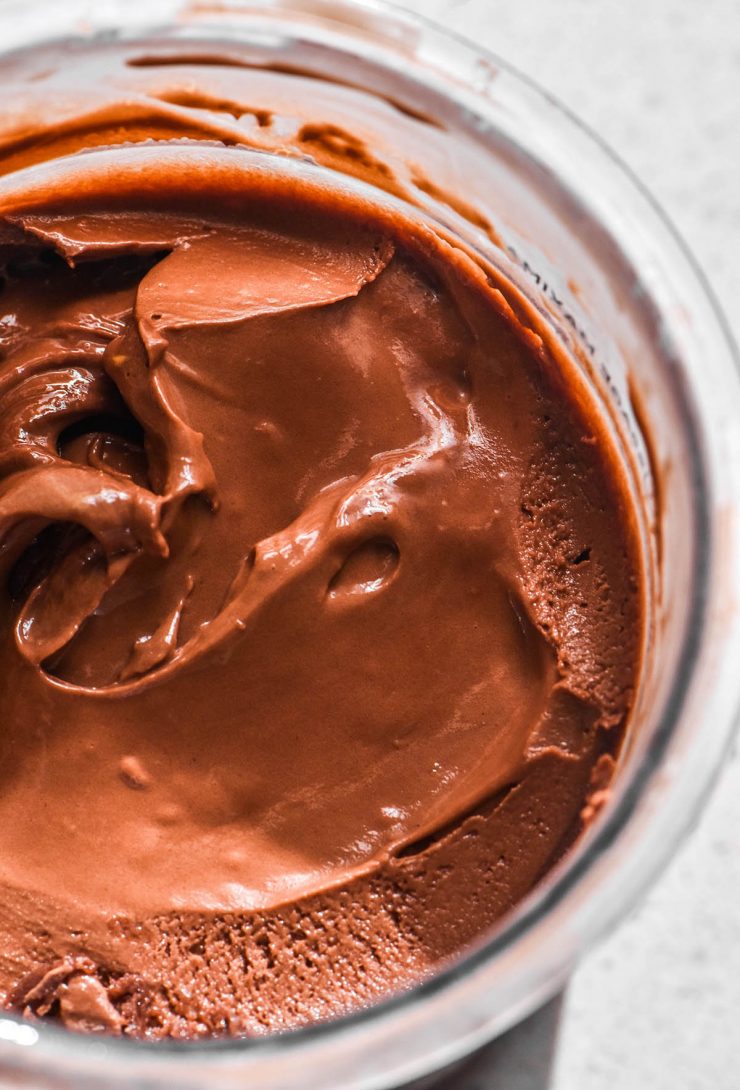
[321, 608]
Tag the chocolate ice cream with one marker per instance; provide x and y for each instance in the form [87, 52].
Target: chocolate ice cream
[320, 594]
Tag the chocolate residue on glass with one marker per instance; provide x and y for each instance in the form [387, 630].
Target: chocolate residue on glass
[320, 598]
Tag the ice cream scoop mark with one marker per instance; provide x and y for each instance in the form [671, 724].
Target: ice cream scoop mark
[155, 648]
[482, 809]
[367, 568]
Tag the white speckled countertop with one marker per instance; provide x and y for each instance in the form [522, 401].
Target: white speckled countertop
[656, 1006]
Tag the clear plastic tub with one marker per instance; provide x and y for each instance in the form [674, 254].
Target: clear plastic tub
[549, 204]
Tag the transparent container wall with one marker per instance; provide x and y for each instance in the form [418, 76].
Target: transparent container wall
[491, 159]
